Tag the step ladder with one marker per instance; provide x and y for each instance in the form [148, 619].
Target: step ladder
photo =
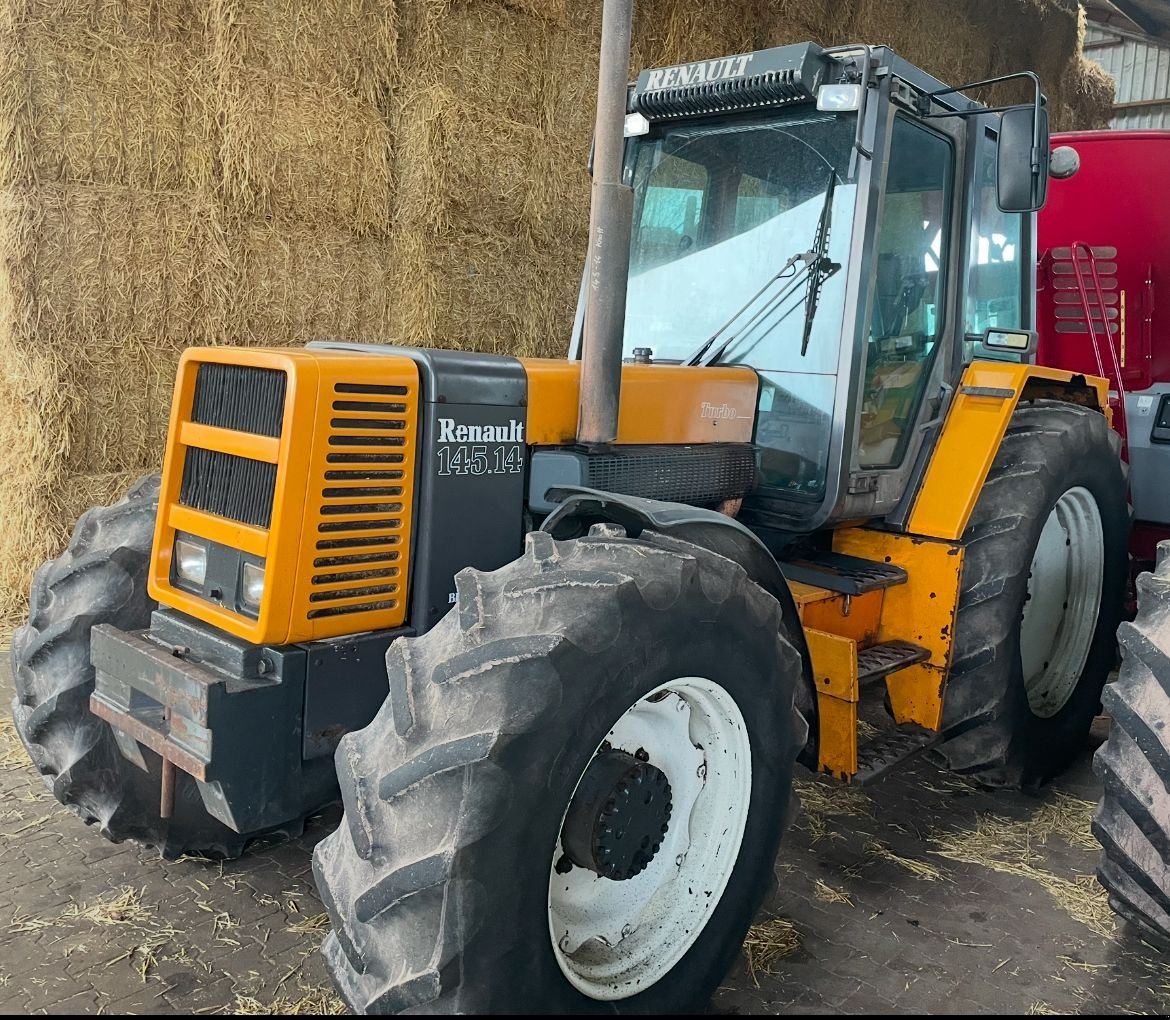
[839, 599]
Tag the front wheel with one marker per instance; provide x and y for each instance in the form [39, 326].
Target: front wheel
[573, 796]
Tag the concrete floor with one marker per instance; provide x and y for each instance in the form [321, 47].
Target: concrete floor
[922, 894]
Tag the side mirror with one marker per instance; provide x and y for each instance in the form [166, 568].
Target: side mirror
[1022, 159]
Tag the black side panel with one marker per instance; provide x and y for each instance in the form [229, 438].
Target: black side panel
[471, 469]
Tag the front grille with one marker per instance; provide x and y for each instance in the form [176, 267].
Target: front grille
[699, 475]
[229, 486]
[240, 397]
[361, 502]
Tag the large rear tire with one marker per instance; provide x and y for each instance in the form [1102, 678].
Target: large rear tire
[100, 578]
[1133, 819]
[444, 882]
[1043, 586]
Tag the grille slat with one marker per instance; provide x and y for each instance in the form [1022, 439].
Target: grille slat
[356, 559]
[357, 541]
[348, 492]
[369, 406]
[333, 595]
[366, 458]
[343, 577]
[316, 614]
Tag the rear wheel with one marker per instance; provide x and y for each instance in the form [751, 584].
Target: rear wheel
[100, 578]
[1043, 584]
[1133, 819]
[573, 797]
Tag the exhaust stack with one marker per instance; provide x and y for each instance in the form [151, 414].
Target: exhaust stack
[608, 264]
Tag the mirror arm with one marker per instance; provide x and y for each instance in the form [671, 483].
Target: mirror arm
[1038, 101]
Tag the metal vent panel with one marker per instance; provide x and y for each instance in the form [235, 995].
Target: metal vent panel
[362, 501]
[706, 474]
[240, 397]
[229, 486]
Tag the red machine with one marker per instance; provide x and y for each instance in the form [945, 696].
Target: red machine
[1104, 245]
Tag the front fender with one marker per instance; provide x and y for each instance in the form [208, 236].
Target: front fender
[579, 508]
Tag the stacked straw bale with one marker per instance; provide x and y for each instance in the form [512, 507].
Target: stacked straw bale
[177, 172]
[172, 173]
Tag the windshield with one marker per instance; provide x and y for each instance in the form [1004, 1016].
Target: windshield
[719, 210]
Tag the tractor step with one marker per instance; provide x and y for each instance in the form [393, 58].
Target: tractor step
[849, 575]
[879, 661]
[890, 749]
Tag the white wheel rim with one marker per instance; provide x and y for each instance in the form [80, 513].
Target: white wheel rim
[1064, 598]
[614, 939]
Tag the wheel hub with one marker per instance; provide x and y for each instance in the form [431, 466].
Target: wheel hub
[618, 816]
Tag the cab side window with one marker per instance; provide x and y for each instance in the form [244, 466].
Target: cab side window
[909, 292]
[995, 277]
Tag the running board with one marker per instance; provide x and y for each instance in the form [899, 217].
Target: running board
[890, 749]
[848, 575]
[879, 661]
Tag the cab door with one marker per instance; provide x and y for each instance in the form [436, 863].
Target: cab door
[909, 351]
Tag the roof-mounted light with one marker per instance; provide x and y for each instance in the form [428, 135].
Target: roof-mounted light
[839, 98]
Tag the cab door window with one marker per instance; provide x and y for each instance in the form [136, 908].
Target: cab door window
[909, 290]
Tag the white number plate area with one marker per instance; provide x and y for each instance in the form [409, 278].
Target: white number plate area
[480, 459]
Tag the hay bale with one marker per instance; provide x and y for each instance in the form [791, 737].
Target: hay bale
[352, 44]
[126, 19]
[301, 152]
[84, 262]
[461, 294]
[295, 284]
[83, 110]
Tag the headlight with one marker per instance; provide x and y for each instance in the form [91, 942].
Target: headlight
[252, 589]
[191, 561]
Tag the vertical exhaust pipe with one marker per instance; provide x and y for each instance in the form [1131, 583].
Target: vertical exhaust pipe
[608, 265]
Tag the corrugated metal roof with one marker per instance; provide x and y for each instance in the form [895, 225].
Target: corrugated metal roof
[1141, 70]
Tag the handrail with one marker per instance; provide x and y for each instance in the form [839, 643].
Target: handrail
[1115, 379]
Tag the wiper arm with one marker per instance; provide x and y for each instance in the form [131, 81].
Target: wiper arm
[697, 357]
[821, 268]
[769, 307]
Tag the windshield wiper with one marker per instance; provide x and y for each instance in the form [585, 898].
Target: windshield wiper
[821, 268]
[816, 270]
[697, 357]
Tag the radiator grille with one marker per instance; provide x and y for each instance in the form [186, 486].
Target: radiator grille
[707, 474]
[229, 486]
[361, 502]
[240, 397]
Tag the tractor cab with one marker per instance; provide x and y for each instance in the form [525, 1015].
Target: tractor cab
[835, 220]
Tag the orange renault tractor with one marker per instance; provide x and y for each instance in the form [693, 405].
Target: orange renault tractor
[559, 630]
